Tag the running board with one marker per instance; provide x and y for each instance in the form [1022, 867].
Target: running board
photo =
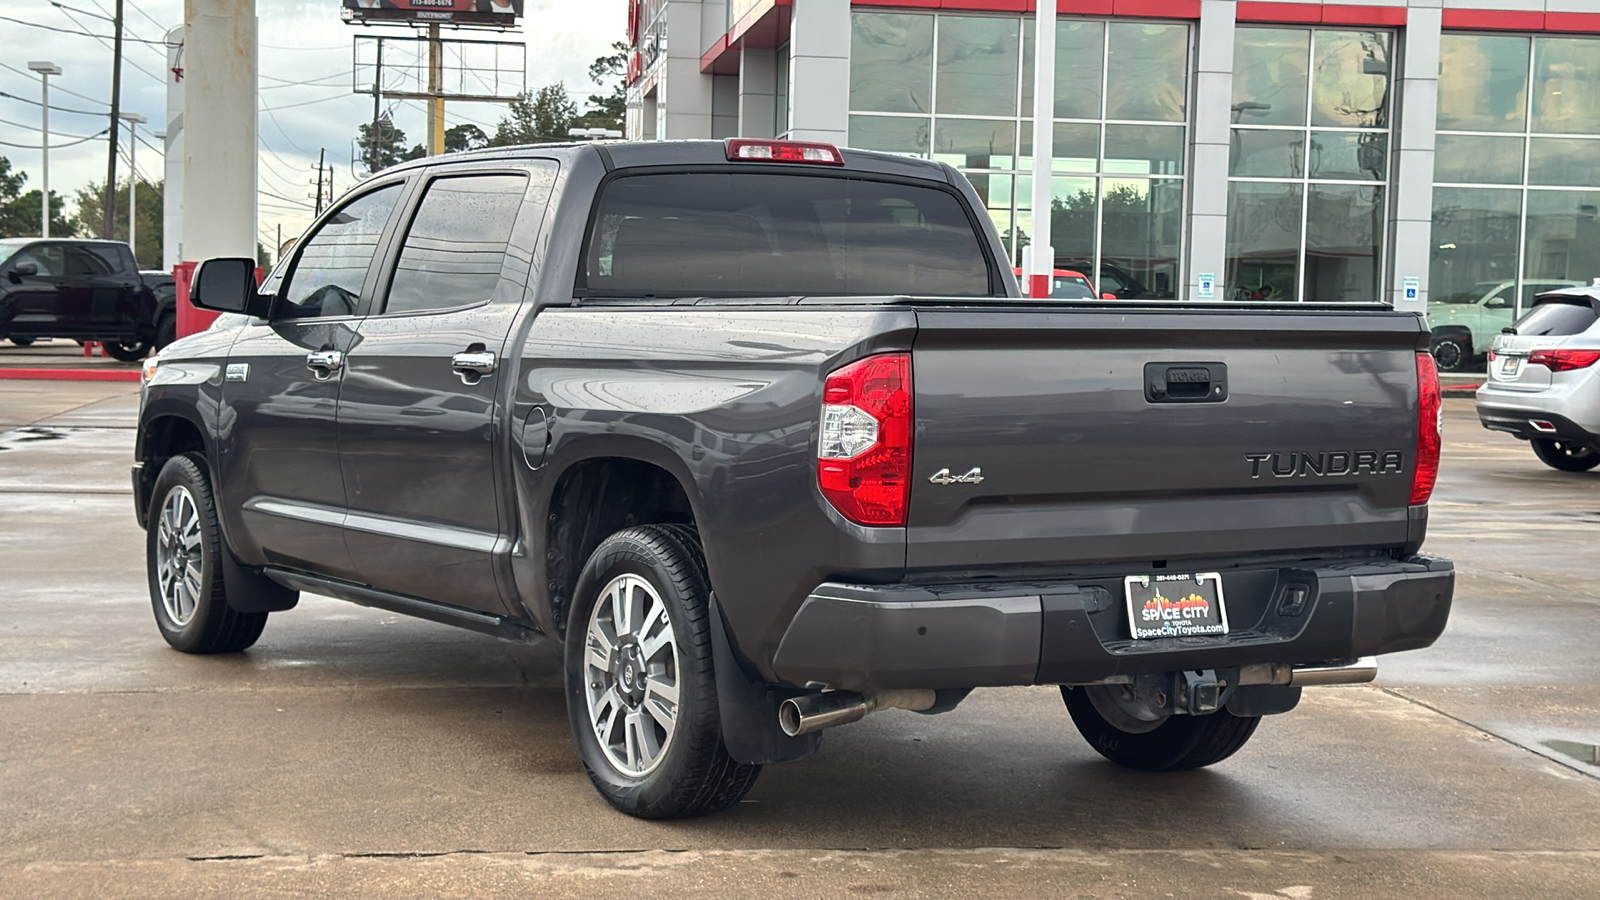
[471, 619]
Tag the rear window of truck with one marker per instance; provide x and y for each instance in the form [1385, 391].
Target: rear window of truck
[713, 234]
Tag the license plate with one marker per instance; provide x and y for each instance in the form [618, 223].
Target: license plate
[1512, 364]
[1176, 605]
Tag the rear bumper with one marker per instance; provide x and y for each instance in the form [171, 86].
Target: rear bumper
[871, 638]
[1519, 422]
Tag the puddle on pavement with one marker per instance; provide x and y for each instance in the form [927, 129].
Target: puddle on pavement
[1584, 753]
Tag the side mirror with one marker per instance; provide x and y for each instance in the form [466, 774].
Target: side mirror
[25, 269]
[1108, 296]
[228, 284]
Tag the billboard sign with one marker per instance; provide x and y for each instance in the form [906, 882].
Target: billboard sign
[501, 13]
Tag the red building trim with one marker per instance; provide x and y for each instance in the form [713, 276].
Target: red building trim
[1578, 23]
[71, 374]
[1321, 14]
[1493, 20]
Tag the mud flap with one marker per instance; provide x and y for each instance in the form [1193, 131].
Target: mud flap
[749, 707]
[252, 592]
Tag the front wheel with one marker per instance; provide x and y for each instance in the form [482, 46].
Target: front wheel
[183, 552]
[127, 351]
[1123, 734]
[22, 341]
[1568, 456]
[1449, 354]
[641, 693]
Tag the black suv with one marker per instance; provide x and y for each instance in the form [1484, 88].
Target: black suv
[87, 290]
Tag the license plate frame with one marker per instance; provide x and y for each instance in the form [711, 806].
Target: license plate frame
[1200, 610]
[1511, 366]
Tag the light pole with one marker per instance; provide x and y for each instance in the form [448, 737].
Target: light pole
[134, 120]
[45, 70]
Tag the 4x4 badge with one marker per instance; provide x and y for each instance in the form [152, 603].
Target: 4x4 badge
[943, 476]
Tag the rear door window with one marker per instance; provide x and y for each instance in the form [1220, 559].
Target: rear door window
[768, 234]
[456, 246]
[1557, 316]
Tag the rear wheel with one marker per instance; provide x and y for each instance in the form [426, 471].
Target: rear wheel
[22, 341]
[127, 351]
[1568, 456]
[1125, 734]
[166, 330]
[1450, 354]
[183, 551]
[641, 692]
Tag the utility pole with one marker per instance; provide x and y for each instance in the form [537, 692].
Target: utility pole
[320, 154]
[435, 89]
[134, 121]
[377, 96]
[116, 97]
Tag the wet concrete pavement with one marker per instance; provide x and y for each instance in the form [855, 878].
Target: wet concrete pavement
[358, 752]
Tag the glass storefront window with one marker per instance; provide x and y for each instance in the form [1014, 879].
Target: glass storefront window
[1120, 143]
[976, 72]
[1516, 169]
[1308, 164]
[891, 63]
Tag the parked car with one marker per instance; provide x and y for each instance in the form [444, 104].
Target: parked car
[762, 432]
[1116, 281]
[1465, 323]
[1066, 284]
[86, 290]
[1544, 385]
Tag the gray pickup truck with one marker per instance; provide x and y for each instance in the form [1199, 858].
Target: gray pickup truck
[764, 433]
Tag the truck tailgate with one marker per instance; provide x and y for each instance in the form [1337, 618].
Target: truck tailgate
[1093, 445]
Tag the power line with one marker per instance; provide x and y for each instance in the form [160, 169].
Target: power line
[124, 36]
[55, 146]
[164, 28]
[53, 107]
[31, 77]
[85, 33]
[52, 134]
[273, 116]
[295, 81]
[306, 103]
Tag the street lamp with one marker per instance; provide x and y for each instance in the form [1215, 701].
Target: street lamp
[45, 70]
[134, 120]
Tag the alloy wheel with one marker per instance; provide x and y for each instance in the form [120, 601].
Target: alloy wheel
[179, 557]
[631, 675]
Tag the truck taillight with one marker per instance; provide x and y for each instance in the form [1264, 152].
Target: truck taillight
[1564, 360]
[760, 150]
[1430, 430]
[864, 445]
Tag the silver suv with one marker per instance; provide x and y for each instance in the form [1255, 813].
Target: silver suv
[1544, 384]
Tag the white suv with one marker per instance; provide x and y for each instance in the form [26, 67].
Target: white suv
[1544, 384]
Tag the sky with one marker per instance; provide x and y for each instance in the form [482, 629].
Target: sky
[305, 77]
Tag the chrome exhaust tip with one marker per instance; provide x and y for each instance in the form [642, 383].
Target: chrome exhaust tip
[1358, 671]
[814, 712]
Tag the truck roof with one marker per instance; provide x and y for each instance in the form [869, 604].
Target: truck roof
[632, 154]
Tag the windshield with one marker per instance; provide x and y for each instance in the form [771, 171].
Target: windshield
[760, 234]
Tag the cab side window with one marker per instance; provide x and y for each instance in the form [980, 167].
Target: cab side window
[45, 257]
[332, 267]
[456, 245]
[82, 262]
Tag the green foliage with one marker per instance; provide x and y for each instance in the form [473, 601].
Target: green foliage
[609, 109]
[19, 209]
[389, 144]
[464, 137]
[91, 216]
[540, 118]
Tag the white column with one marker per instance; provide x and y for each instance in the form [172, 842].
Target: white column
[758, 81]
[1208, 169]
[1412, 179]
[220, 141]
[172, 166]
[1041, 256]
[819, 71]
[684, 93]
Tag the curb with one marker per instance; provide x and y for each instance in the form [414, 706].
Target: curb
[70, 374]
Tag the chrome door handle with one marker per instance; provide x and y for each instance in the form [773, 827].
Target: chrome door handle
[323, 363]
[473, 365]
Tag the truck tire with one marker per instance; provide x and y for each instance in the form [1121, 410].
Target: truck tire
[1568, 456]
[22, 341]
[1178, 744]
[183, 557]
[166, 330]
[126, 351]
[1450, 354]
[641, 691]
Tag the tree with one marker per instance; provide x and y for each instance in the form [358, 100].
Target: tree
[390, 141]
[541, 118]
[19, 210]
[464, 137]
[150, 215]
[610, 109]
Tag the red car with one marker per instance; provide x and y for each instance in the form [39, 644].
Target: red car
[1066, 284]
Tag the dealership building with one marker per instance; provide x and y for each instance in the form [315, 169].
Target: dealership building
[1203, 149]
